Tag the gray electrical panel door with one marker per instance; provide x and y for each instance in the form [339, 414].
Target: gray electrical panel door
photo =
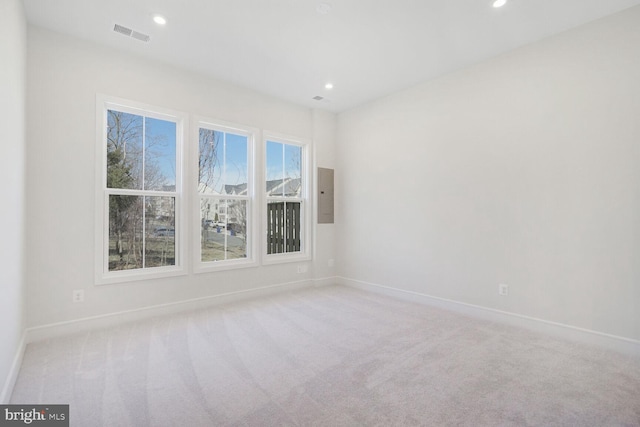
[325, 196]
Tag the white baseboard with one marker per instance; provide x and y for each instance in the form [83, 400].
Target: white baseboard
[10, 382]
[620, 344]
[325, 281]
[85, 324]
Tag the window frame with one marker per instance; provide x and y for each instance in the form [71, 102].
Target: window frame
[253, 205]
[306, 229]
[102, 274]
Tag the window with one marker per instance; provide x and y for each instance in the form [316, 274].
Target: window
[287, 212]
[225, 197]
[140, 198]
[141, 211]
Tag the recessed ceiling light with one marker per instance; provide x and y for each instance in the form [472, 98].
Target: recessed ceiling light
[159, 19]
[499, 3]
[328, 86]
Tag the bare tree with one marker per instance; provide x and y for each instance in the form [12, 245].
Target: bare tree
[131, 164]
[123, 133]
[208, 160]
[209, 172]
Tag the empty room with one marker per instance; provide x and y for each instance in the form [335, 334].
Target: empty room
[320, 213]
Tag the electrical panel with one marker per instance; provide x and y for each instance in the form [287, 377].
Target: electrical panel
[325, 196]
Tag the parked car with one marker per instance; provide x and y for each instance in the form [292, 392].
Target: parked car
[164, 232]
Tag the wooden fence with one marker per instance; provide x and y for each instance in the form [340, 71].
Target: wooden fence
[283, 227]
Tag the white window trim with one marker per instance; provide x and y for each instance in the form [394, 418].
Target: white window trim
[253, 240]
[305, 253]
[102, 275]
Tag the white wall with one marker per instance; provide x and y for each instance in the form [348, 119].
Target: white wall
[521, 170]
[64, 75]
[13, 49]
[324, 134]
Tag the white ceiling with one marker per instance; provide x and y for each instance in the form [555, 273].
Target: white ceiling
[366, 48]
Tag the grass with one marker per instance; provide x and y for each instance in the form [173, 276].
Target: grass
[160, 251]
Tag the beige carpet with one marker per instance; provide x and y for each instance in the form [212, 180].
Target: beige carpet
[330, 356]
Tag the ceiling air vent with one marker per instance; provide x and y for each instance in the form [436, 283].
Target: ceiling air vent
[122, 30]
[131, 33]
[318, 98]
[142, 37]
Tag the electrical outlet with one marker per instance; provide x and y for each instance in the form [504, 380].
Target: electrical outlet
[503, 289]
[302, 269]
[331, 263]
[78, 295]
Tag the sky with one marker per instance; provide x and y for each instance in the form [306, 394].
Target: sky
[161, 147]
[283, 160]
[231, 166]
[159, 144]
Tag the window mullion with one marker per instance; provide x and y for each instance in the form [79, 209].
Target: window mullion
[144, 234]
[284, 169]
[128, 192]
[144, 156]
